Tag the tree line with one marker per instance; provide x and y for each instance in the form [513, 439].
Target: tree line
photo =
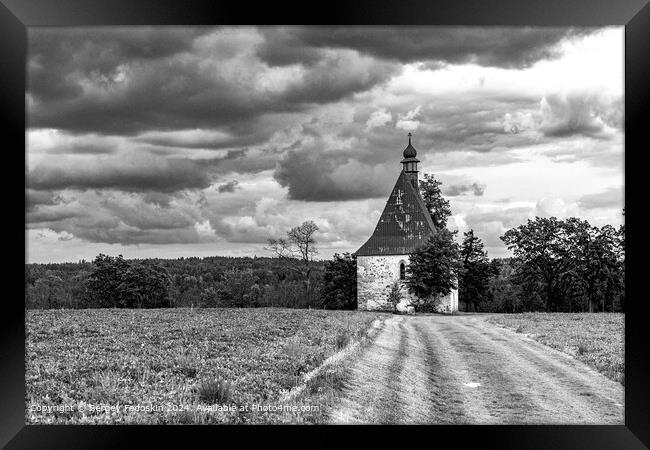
[292, 279]
[557, 265]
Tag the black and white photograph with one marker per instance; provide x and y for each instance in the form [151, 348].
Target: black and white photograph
[325, 225]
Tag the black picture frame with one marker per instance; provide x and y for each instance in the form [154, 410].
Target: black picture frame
[17, 15]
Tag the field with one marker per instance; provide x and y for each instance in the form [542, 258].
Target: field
[598, 340]
[180, 365]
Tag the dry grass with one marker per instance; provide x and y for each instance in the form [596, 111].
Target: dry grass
[596, 339]
[180, 361]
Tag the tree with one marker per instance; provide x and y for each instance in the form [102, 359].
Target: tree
[541, 248]
[434, 268]
[46, 292]
[436, 204]
[601, 269]
[568, 259]
[117, 283]
[474, 278]
[144, 286]
[395, 295]
[340, 282]
[300, 246]
[504, 293]
[103, 281]
[621, 258]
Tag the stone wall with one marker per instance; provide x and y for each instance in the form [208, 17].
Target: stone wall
[375, 277]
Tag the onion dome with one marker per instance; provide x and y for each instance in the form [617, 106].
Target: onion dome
[409, 151]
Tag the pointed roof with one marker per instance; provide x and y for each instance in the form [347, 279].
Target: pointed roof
[404, 225]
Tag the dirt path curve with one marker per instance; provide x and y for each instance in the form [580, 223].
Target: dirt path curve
[461, 369]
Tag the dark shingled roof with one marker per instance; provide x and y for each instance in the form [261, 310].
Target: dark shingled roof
[404, 225]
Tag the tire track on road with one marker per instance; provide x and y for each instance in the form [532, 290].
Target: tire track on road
[461, 369]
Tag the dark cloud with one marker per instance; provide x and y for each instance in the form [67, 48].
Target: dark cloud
[228, 187]
[83, 148]
[454, 190]
[157, 198]
[50, 215]
[609, 198]
[35, 198]
[311, 174]
[135, 174]
[97, 80]
[499, 47]
[55, 55]
[120, 218]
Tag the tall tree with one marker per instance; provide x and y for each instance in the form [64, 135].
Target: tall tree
[433, 269]
[541, 248]
[299, 246]
[436, 204]
[340, 282]
[474, 278]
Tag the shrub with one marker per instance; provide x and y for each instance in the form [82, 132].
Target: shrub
[394, 296]
[185, 365]
[215, 391]
[342, 339]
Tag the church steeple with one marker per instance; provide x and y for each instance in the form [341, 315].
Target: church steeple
[410, 163]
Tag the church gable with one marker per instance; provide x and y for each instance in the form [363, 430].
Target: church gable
[404, 225]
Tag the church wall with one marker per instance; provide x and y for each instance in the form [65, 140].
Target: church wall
[375, 277]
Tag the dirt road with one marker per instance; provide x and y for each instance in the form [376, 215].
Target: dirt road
[461, 369]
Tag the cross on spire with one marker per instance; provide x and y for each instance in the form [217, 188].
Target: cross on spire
[409, 138]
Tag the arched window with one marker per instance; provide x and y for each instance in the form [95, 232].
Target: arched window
[402, 271]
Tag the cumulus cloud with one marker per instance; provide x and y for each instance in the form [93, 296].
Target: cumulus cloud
[579, 113]
[116, 217]
[476, 189]
[555, 207]
[379, 118]
[407, 121]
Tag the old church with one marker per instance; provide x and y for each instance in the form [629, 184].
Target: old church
[404, 225]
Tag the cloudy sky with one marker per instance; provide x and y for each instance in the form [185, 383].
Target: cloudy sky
[177, 141]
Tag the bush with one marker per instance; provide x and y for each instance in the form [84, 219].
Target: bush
[215, 391]
[394, 296]
[342, 339]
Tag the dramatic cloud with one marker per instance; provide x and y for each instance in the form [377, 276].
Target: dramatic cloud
[564, 115]
[92, 80]
[500, 47]
[209, 140]
[136, 173]
[314, 175]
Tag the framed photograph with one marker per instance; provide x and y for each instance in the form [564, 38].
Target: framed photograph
[370, 214]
